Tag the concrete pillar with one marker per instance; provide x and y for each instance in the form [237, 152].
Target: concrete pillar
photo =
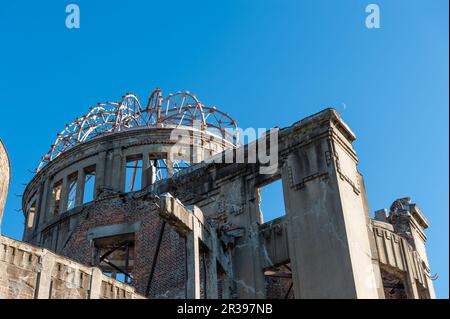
[113, 170]
[328, 233]
[229, 285]
[193, 261]
[51, 200]
[169, 168]
[411, 286]
[211, 275]
[152, 173]
[248, 265]
[81, 180]
[44, 208]
[64, 195]
[372, 241]
[95, 284]
[118, 171]
[145, 171]
[197, 150]
[44, 281]
[55, 238]
[39, 208]
[430, 287]
[100, 174]
[122, 174]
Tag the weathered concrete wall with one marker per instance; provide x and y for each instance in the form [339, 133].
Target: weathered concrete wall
[5, 173]
[28, 272]
[329, 239]
[398, 257]
[108, 157]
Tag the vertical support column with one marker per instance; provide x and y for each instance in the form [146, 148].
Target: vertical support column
[196, 149]
[328, 233]
[145, 170]
[52, 201]
[45, 206]
[211, 274]
[152, 173]
[411, 286]
[119, 165]
[100, 173]
[430, 287]
[227, 281]
[95, 284]
[247, 261]
[372, 241]
[81, 179]
[55, 238]
[193, 261]
[64, 195]
[44, 281]
[169, 167]
[101, 168]
[122, 174]
[41, 198]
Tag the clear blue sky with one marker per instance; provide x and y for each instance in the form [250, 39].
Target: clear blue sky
[268, 63]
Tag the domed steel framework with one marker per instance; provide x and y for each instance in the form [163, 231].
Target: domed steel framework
[178, 109]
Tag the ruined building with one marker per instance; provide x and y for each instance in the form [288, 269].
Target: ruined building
[138, 201]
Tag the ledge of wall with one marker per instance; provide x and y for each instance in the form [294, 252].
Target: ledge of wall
[394, 251]
[28, 272]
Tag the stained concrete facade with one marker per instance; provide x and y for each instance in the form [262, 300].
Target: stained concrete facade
[5, 174]
[200, 233]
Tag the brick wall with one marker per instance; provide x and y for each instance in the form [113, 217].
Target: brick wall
[278, 288]
[170, 271]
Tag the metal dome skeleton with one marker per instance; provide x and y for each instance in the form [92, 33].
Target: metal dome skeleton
[178, 109]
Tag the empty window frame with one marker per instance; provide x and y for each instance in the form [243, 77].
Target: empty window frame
[89, 184]
[72, 190]
[133, 177]
[31, 215]
[165, 168]
[115, 256]
[56, 198]
[271, 201]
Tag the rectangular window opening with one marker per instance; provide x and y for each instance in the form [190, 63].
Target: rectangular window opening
[72, 190]
[56, 195]
[271, 201]
[133, 173]
[89, 184]
[116, 256]
[31, 214]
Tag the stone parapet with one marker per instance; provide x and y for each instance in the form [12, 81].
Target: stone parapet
[29, 272]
